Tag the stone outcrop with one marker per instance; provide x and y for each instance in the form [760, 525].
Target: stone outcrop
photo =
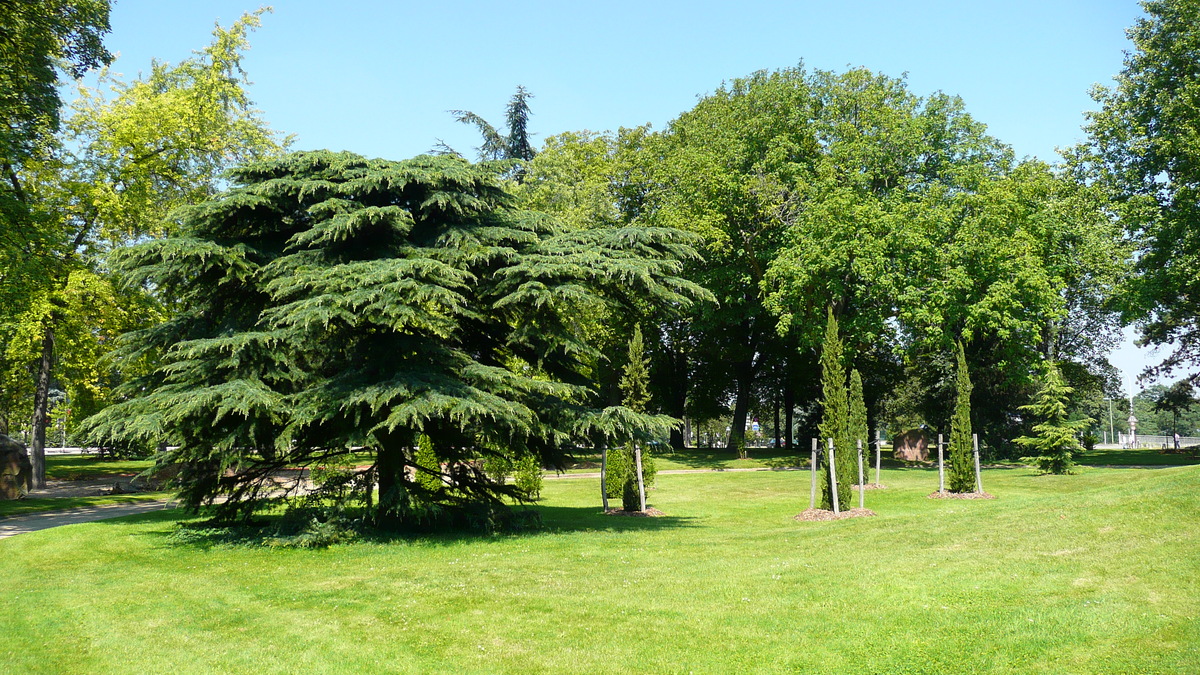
[911, 446]
[16, 472]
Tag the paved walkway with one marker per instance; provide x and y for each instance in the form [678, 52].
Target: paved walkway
[46, 519]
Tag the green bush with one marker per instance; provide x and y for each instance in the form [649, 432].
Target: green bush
[528, 477]
[621, 477]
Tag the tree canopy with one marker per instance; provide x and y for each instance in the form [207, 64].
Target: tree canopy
[1144, 151]
[330, 301]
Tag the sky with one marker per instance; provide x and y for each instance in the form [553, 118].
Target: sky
[378, 77]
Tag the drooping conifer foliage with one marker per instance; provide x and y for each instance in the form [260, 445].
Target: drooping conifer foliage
[962, 449]
[835, 419]
[330, 302]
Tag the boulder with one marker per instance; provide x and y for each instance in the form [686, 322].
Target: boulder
[16, 472]
[911, 446]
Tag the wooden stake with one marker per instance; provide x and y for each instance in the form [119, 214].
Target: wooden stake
[604, 476]
[941, 467]
[862, 489]
[833, 479]
[637, 457]
[812, 499]
[978, 474]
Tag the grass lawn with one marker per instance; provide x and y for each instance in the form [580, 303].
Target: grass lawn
[90, 467]
[22, 507]
[1093, 573]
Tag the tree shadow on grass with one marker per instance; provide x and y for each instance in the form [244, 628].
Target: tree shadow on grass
[276, 532]
[720, 458]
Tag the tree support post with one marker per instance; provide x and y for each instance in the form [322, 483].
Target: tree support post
[833, 479]
[604, 476]
[941, 467]
[862, 489]
[637, 458]
[812, 496]
[978, 473]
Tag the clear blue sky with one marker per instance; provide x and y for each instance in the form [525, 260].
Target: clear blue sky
[377, 77]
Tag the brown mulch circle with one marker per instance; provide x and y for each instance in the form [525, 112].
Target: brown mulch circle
[961, 495]
[870, 486]
[650, 512]
[824, 514]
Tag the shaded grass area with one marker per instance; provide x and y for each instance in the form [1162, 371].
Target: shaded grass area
[24, 507]
[91, 467]
[1096, 572]
[716, 459]
[1139, 457]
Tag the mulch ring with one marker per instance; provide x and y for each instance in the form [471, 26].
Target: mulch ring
[650, 512]
[961, 495]
[869, 486]
[823, 514]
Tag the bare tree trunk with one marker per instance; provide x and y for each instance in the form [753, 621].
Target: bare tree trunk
[41, 406]
[789, 403]
[741, 410]
[777, 436]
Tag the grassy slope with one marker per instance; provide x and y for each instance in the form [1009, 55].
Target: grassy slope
[1090, 573]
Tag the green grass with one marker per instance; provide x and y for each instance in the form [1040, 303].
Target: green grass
[1092, 573]
[24, 507]
[90, 467]
[715, 459]
[1138, 457]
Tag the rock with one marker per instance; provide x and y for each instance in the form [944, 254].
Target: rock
[16, 472]
[911, 446]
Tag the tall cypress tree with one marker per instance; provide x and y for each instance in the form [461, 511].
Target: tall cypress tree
[858, 421]
[962, 454]
[835, 419]
[635, 385]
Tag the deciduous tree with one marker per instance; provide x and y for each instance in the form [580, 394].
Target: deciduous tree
[1144, 151]
[123, 161]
